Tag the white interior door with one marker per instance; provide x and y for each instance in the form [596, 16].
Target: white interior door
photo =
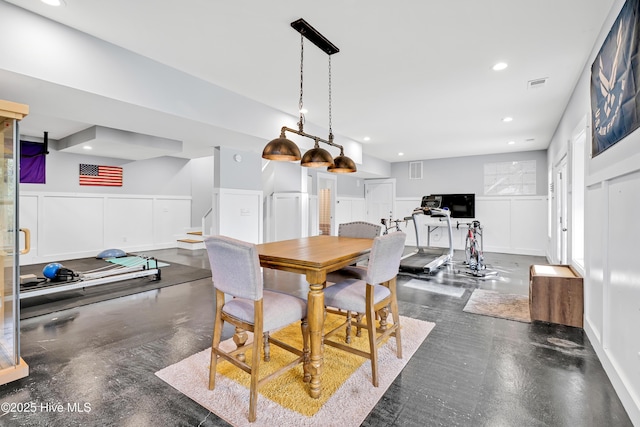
[561, 222]
[327, 189]
[380, 196]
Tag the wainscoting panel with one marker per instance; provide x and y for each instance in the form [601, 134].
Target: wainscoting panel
[622, 280]
[594, 260]
[528, 225]
[71, 226]
[514, 225]
[350, 209]
[494, 215]
[169, 215]
[128, 222]
[29, 219]
[289, 215]
[238, 214]
[77, 225]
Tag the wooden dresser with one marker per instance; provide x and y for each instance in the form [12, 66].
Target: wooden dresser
[556, 294]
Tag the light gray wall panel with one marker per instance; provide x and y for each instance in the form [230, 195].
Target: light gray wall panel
[237, 169]
[461, 174]
[162, 175]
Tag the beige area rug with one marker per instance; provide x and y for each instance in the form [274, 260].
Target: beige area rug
[346, 404]
[496, 304]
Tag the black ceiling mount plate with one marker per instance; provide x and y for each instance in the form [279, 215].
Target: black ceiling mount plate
[314, 36]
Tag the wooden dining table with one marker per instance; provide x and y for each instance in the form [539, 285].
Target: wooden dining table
[314, 257]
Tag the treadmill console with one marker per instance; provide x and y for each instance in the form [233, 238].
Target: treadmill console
[431, 202]
[431, 206]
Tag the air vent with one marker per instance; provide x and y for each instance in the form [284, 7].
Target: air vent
[415, 170]
[537, 83]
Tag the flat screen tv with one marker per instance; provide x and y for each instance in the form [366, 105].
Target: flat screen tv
[460, 205]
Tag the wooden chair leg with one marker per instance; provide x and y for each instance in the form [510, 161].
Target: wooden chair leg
[255, 363]
[267, 347]
[396, 317]
[383, 314]
[359, 329]
[215, 342]
[371, 330]
[348, 328]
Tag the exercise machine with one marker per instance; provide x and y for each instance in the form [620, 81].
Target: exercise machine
[391, 224]
[427, 259]
[58, 278]
[474, 249]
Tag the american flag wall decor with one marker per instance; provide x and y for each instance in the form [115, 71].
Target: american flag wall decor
[110, 176]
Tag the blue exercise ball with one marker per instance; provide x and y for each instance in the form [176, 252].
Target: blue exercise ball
[111, 253]
[51, 270]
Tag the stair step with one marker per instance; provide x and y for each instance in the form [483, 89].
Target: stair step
[189, 241]
[195, 233]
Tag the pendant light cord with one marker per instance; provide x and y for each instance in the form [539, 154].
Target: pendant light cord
[330, 129]
[300, 103]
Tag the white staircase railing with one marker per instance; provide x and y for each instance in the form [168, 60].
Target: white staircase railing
[204, 220]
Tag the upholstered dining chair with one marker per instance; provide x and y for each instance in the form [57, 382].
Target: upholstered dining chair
[235, 270]
[358, 229]
[375, 292]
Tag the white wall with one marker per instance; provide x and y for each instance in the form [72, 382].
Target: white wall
[70, 225]
[514, 225]
[350, 209]
[238, 214]
[510, 225]
[462, 174]
[162, 175]
[151, 210]
[201, 190]
[612, 208]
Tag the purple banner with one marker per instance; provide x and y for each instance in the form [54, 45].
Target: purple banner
[33, 163]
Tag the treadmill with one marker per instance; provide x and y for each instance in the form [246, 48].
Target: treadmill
[427, 259]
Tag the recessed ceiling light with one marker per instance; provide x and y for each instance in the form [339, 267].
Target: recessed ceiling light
[400, 154]
[511, 142]
[500, 66]
[54, 2]
[507, 119]
[366, 138]
[87, 147]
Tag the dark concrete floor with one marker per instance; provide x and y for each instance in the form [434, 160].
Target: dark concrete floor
[98, 361]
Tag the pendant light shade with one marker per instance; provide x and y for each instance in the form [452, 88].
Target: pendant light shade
[281, 149]
[316, 158]
[342, 164]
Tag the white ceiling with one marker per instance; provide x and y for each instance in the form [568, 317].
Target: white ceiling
[415, 76]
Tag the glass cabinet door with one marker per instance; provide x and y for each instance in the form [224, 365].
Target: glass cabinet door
[9, 354]
[12, 366]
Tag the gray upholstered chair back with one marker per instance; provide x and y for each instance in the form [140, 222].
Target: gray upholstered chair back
[360, 229]
[384, 259]
[235, 267]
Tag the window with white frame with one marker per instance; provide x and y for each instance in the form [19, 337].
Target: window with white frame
[517, 178]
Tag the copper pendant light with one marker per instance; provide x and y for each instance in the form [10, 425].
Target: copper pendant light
[317, 157]
[281, 149]
[284, 149]
[342, 164]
